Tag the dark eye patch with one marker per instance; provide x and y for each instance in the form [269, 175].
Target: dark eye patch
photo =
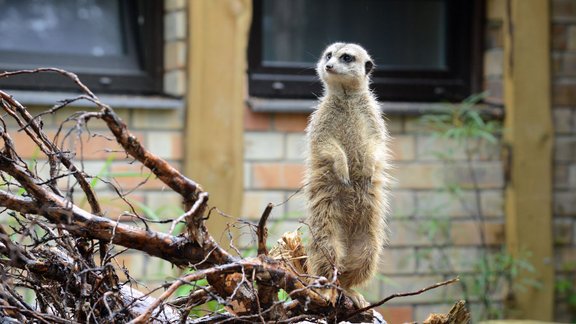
[347, 58]
[328, 55]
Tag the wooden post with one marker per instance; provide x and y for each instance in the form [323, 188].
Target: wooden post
[529, 134]
[218, 31]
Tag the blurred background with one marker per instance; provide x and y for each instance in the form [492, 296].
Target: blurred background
[479, 95]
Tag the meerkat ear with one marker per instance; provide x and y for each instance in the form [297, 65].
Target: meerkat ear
[368, 66]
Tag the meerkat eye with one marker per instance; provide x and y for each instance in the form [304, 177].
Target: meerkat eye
[329, 55]
[347, 58]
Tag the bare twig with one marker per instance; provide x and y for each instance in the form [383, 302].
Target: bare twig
[413, 293]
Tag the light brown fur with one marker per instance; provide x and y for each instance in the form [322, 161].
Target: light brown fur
[346, 172]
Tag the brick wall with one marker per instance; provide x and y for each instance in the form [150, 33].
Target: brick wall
[274, 152]
[274, 148]
[564, 116]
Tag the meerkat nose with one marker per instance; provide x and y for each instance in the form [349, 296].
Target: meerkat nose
[329, 67]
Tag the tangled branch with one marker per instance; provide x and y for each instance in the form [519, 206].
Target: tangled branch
[51, 246]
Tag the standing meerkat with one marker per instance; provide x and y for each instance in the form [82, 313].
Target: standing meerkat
[346, 172]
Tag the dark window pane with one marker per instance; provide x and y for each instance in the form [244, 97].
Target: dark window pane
[83, 27]
[399, 34]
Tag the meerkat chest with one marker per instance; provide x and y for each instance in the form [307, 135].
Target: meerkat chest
[353, 129]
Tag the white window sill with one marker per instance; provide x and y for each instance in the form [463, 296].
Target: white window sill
[268, 105]
[50, 98]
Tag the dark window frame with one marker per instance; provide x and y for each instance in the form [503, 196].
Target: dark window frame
[140, 71]
[461, 78]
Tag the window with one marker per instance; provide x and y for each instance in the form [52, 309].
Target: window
[114, 46]
[424, 50]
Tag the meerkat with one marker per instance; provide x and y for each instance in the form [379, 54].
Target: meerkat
[346, 172]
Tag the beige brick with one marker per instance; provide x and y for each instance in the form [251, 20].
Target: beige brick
[493, 63]
[260, 146]
[414, 125]
[164, 204]
[295, 205]
[255, 202]
[164, 144]
[247, 240]
[418, 175]
[175, 55]
[175, 25]
[486, 175]
[95, 169]
[442, 203]
[277, 228]
[134, 176]
[247, 175]
[158, 119]
[434, 148]
[296, 146]
[405, 233]
[563, 120]
[470, 233]
[406, 283]
[371, 291]
[402, 203]
[175, 82]
[113, 206]
[492, 202]
[170, 5]
[397, 261]
[403, 147]
[447, 260]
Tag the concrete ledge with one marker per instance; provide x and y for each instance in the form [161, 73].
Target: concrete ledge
[269, 105]
[50, 98]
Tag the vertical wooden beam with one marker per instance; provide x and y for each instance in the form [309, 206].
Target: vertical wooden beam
[529, 134]
[218, 31]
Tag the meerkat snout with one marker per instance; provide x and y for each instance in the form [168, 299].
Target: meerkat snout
[345, 67]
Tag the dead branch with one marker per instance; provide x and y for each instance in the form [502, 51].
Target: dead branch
[262, 231]
[51, 251]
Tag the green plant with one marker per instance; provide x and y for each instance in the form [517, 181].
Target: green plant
[493, 271]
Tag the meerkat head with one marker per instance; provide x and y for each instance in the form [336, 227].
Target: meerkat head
[345, 67]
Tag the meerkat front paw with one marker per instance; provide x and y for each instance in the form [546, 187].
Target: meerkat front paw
[357, 298]
[342, 173]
